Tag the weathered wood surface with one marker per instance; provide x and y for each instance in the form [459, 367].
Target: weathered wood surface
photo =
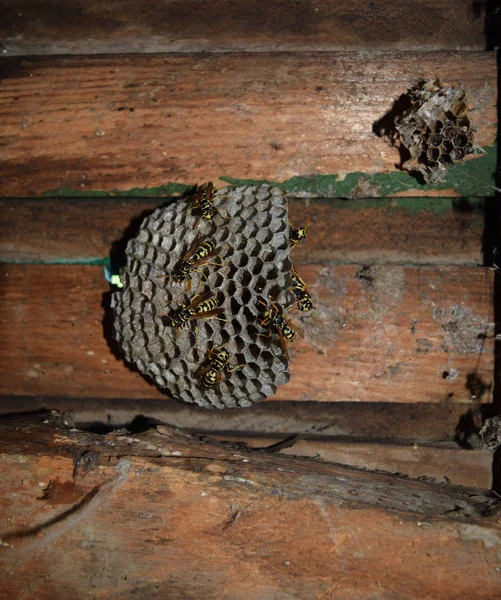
[410, 230]
[416, 441]
[30, 27]
[399, 422]
[381, 333]
[162, 513]
[442, 463]
[116, 123]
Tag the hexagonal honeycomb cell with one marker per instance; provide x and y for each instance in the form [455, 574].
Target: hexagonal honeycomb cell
[250, 262]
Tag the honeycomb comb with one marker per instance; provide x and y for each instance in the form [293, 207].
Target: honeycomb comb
[253, 249]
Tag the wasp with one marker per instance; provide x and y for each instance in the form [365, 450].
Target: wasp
[203, 204]
[197, 255]
[298, 234]
[273, 317]
[218, 359]
[205, 306]
[303, 297]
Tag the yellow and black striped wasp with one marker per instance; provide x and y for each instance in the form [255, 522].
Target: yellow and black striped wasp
[299, 234]
[272, 318]
[197, 255]
[203, 306]
[218, 359]
[300, 291]
[203, 204]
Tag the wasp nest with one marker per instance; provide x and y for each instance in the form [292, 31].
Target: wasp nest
[249, 234]
[435, 129]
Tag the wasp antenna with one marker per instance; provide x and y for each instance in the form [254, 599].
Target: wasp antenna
[224, 215]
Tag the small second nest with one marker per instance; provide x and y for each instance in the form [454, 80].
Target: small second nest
[434, 128]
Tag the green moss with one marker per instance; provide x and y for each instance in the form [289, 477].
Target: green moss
[88, 261]
[472, 178]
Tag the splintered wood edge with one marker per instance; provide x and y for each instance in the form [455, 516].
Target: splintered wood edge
[39, 435]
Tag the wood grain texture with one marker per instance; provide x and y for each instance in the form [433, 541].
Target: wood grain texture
[379, 333]
[60, 27]
[416, 231]
[162, 513]
[444, 463]
[117, 123]
[403, 423]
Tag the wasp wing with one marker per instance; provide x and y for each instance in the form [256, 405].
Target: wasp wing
[209, 314]
[283, 343]
[204, 259]
[196, 300]
[192, 248]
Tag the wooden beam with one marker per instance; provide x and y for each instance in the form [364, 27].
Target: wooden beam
[117, 123]
[397, 230]
[381, 333]
[421, 422]
[223, 25]
[442, 463]
[199, 520]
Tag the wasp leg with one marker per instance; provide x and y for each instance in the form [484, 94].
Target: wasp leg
[266, 335]
[224, 215]
[212, 349]
[189, 282]
[262, 302]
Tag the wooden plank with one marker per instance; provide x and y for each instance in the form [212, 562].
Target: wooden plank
[400, 230]
[29, 27]
[201, 521]
[444, 463]
[381, 333]
[399, 422]
[117, 123]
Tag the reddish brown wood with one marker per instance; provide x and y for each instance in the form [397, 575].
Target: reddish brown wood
[346, 231]
[161, 512]
[398, 334]
[142, 121]
[30, 27]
